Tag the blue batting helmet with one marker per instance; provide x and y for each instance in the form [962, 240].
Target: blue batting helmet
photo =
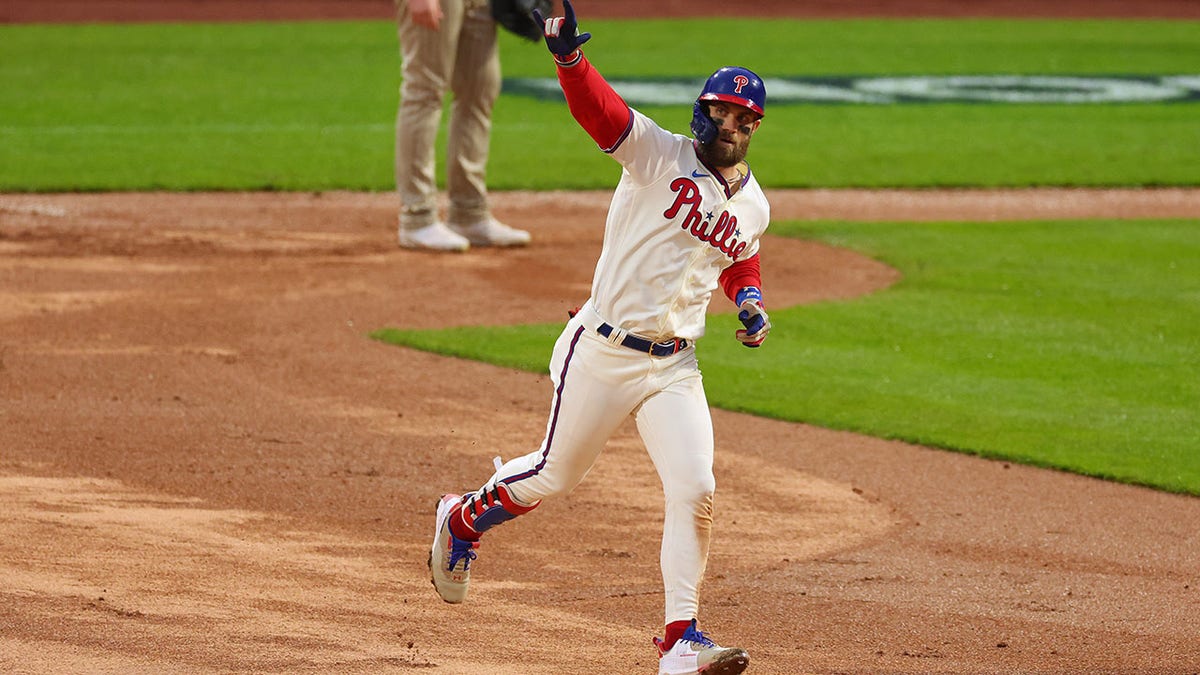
[732, 84]
[735, 84]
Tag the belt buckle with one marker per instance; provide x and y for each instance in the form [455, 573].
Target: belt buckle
[673, 344]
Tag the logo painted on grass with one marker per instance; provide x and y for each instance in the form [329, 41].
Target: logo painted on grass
[1068, 89]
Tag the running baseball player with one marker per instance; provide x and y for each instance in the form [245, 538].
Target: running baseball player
[685, 220]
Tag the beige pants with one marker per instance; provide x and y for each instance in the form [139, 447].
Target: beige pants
[460, 57]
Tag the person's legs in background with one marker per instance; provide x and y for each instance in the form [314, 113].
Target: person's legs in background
[427, 61]
[475, 84]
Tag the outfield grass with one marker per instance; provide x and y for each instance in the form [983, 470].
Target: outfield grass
[311, 106]
[1073, 345]
[196, 106]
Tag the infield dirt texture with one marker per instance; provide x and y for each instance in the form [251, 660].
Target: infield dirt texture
[206, 466]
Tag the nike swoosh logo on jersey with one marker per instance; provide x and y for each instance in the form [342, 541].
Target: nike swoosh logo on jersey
[697, 174]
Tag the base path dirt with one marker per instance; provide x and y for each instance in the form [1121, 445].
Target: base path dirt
[207, 466]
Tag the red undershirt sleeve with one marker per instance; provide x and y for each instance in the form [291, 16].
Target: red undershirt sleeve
[739, 275]
[593, 102]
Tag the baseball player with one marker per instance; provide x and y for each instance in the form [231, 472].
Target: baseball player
[685, 220]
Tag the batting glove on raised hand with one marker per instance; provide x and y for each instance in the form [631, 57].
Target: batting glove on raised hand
[753, 316]
[562, 35]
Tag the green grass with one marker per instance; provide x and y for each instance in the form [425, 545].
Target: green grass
[311, 106]
[229, 106]
[1073, 345]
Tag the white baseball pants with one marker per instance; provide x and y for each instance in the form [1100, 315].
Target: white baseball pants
[597, 384]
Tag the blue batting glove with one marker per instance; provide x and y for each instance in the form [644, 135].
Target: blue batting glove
[753, 316]
[562, 34]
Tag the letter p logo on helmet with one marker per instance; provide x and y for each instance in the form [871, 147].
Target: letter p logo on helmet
[734, 84]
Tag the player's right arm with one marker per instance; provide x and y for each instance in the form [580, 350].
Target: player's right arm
[593, 102]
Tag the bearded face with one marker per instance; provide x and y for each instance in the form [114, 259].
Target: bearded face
[735, 124]
[726, 150]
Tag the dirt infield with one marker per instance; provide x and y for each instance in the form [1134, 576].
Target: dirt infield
[206, 466]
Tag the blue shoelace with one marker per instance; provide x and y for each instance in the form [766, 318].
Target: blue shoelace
[460, 549]
[694, 636]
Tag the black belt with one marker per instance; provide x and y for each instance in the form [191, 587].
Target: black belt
[664, 348]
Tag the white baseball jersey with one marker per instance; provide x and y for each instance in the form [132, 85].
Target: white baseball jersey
[671, 230]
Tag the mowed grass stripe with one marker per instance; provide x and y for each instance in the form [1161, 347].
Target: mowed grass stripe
[341, 79]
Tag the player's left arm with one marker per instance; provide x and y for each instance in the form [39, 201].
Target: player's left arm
[742, 283]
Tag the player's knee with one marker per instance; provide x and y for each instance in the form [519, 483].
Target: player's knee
[694, 488]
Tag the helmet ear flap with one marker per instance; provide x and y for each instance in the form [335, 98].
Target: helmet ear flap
[703, 127]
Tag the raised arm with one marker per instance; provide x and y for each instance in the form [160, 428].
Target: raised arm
[593, 102]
